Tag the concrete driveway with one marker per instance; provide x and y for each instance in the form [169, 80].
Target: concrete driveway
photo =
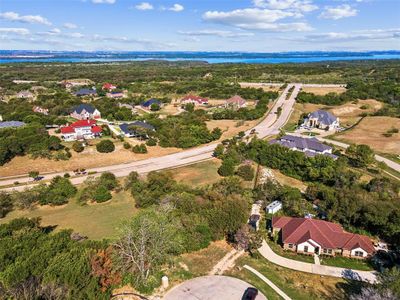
[211, 288]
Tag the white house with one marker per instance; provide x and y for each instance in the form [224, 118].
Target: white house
[83, 129]
[273, 207]
[322, 119]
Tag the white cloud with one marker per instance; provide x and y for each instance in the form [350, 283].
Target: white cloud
[219, 33]
[176, 7]
[144, 6]
[103, 1]
[257, 19]
[19, 31]
[15, 17]
[339, 12]
[296, 5]
[70, 25]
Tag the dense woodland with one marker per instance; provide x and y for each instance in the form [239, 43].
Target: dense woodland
[333, 185]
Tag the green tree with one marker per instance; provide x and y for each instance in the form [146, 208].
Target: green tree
[105, 146]
[101, 194]
[33, 174]
[219, 151]
[227, 168]
[6, 204]
[78, 147]
[246, 172]
[360, 155]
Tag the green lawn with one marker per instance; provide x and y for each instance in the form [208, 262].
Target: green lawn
[198, 174]
[296, 285]
[345, 262]
[97, 221]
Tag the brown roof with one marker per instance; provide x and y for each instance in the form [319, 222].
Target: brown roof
[236, 100]
[327, 234]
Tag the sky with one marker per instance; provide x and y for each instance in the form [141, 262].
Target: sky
[200, 25]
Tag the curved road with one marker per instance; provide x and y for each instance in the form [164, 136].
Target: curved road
[268, 126]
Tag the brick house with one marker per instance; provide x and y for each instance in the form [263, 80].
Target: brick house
[310, 236]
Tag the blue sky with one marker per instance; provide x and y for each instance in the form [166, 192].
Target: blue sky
[200, 25]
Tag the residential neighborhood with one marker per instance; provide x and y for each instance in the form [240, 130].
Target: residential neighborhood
[81, 130]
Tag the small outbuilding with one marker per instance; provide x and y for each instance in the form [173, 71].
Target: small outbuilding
[273, 207]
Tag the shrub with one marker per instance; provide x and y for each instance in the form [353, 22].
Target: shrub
[246, 172]
[139, 148]
[127, 145]
[219, 151]
[154, 107]
[151, 142]
[105, 146]
[77, 147]
[227, 168]
[101, 194]
[5, 204]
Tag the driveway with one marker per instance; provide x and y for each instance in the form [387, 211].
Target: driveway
[211, 288]
[267, 253]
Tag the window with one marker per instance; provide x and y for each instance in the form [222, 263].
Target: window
[305, 248]
[358, 253]
[327, 251]
[290, 246]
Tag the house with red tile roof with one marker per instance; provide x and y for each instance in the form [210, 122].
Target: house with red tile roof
[109, 87]
[235, 102]
[311, 236]
[196, 100]
[82, 129]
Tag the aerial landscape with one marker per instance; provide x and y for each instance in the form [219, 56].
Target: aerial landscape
[200, 150]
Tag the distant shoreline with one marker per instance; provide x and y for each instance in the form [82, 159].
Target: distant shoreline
[27, 56]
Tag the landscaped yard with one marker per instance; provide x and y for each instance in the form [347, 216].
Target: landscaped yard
[297, 285]
[344, 262]
[97, 221]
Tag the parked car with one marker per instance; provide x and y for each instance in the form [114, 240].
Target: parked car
[250, 294]
[38, 178]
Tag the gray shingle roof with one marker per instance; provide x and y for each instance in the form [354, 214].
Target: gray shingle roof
[8, 124]
[301, 143]
[125, 127]
[324, 117]
[87, 107]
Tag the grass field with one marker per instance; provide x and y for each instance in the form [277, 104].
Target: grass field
[97, 221]
[198, 174]
[230, 127]
[296, 285]
[370, 132]
[323, 90]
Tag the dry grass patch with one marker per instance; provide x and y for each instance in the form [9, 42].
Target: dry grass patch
[323, 90]
[87, 159]
[198, 174]
[289, 181]
[267, 88]
[97, 221]
[231, 127]
[201, 262]
[370, 132]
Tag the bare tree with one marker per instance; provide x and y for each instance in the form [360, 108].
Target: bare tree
[146, 242]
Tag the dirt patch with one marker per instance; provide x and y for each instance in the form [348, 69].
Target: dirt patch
[370, 132]
[323, 90]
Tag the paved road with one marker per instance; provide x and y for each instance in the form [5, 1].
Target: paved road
[268, 126]
[267, 252]
[211, 288]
